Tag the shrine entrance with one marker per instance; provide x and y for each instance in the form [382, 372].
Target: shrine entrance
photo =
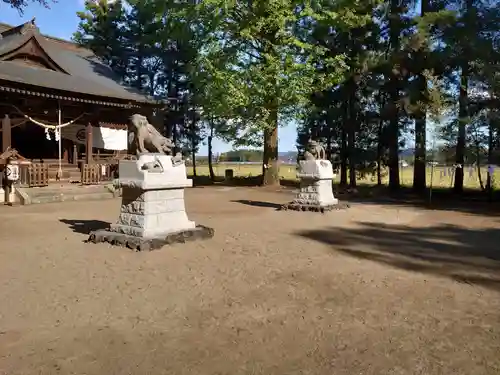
[34, 142]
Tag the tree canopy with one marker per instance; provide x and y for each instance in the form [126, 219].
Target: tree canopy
[20, 5]
[365, 78]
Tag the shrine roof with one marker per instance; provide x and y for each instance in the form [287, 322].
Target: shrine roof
[37, 62]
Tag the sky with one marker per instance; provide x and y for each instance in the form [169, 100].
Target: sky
[61, 21]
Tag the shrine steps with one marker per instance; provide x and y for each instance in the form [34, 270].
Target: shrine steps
[70, 172]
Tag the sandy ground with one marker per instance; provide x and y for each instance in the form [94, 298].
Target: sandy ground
[369, 290]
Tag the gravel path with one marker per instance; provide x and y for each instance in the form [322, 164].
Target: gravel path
[369, 290]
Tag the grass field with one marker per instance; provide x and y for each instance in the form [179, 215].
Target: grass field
[442, 176]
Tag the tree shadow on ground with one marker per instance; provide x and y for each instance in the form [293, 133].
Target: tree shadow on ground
[470, 201]
[464, 255]
[443, 199]
[276, 206]
[85, 226]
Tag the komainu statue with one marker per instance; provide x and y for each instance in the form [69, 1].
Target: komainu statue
[144, 138]
[314, 151]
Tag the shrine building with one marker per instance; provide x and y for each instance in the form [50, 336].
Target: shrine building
[47, 82]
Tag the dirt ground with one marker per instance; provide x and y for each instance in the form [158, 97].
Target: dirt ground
[370, 290]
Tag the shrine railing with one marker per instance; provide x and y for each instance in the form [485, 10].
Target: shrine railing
[104, 156]
[33, 175]
[93, 174]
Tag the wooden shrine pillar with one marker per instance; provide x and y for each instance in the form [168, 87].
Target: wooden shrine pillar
[66, 150]
[6, 133]
[88, 144]
[75, 154]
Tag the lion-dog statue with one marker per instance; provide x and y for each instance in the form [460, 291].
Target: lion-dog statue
[314, 151]
[145, 138]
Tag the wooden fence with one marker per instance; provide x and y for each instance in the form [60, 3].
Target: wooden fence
[37, 174]
[33, 175]
[104, 156]
[30, 175]
[93, 174]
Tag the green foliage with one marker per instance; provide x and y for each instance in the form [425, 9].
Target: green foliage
[364, 78]
[264, 60]
[410, 75]
[101, 29]
[21, 4]
[242, 155]
[153, 45]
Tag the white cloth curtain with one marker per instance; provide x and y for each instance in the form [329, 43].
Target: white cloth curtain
[104, 138]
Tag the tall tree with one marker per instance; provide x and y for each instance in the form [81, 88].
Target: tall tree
[272, 63]
[102, 30]
[425, 63]
[142, 29]
[469, 42]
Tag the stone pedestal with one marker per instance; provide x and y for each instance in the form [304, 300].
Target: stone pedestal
[152, 212]
[316, 192]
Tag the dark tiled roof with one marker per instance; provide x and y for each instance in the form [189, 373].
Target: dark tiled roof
[11, 42]
[85, 73]
[98, 86]
[4, 26]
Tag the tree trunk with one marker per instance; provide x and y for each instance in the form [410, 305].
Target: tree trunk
[489, 186]
[138, 69]
[194, 163]
[169, 114]
[210, 152]
[351, 133]
[343, 157]
[151, 77]
[379, 153]
[462, 123]
[394, 183]
[393, 134]
[329, 139]
[478, 161]
[463, 103]
[193, 139]
[490, 156]
[419, 169]
[352, 158]
[380, 142]
[270, 167]
[420, 162]
[174, 138]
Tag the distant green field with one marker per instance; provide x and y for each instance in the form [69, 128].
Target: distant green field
[441, 176]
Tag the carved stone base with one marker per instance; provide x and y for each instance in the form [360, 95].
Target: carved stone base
[200, 232]
[313, 207]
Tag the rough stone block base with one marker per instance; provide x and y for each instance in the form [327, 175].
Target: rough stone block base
[314, 207]
[200, 232]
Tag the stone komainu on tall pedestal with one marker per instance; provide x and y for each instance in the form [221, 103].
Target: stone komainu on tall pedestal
[152, 212]
[316, 175]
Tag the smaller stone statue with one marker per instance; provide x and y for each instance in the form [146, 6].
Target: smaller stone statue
[316, 175]
[177, 159]
[314, 151]
[153, 166]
